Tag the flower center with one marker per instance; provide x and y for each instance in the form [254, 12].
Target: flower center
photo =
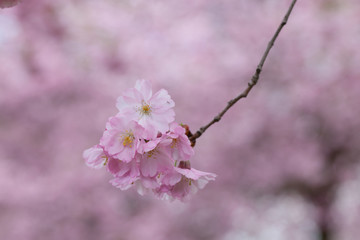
[106, 159]
[174, 143]
[127, 139]
[152, 153]
[145, 109]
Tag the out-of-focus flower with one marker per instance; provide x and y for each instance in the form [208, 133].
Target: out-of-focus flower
[153, 112]
[8, 3]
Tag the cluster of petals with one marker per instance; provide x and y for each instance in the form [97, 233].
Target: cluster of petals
[143, 146]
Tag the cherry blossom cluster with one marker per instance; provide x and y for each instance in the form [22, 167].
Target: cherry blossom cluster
[143, 146]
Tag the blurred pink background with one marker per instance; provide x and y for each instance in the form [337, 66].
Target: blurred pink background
[287, 157]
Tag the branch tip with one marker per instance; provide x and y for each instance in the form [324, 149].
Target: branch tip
[254, 78]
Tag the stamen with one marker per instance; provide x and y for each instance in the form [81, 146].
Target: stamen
[106, 159]
[145, 109]
[151, 153]
[127, 139]
[187, 180]
[174, 143]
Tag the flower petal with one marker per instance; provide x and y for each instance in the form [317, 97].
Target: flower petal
[144, 87]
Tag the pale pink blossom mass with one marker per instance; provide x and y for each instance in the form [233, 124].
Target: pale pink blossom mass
[142, 146]
[8, 3]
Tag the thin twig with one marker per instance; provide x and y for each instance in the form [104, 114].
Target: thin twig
[251, 84]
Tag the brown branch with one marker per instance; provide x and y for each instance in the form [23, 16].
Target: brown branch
[251, 84]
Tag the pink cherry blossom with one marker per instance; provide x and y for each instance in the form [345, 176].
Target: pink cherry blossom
[170, 178]
[182, 182]
[95, 157]
[126, 174]
[121, 138]
[119, 168]
[146, 185]
[181, 149]
[156, 157]
[124, 182]
[163, 192]
[62, 61]
[153, 112]
[192, 180]
[142, 146]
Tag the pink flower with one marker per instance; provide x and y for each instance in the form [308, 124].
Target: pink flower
[95, 157]
[167, 179]
[163, 192]
[147, 184]
[8, 3]
[142, 146]
[153, 112]
[121, 138]
[170, 178]
[155, 158]
[124, 182]
[181, 149]
[119, 168]
[191, 181]
[126, 174]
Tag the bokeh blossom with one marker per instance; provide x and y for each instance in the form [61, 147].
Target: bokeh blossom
[8, 3]
[62, 62]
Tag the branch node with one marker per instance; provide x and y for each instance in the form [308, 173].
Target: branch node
[258, 70]
[217, 118]
[254, 80]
